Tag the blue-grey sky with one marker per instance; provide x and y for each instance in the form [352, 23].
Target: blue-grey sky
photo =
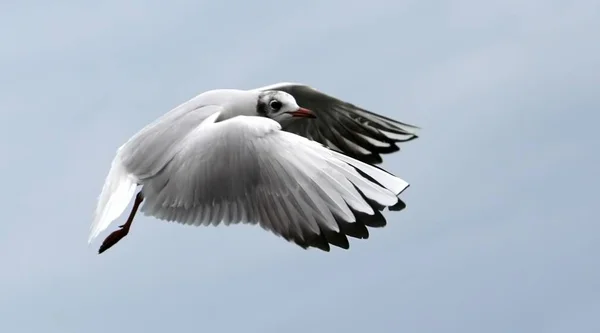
[499, 233]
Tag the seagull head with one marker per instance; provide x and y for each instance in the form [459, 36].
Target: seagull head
[280, 106]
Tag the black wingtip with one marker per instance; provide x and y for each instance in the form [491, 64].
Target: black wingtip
[369, 159]
[413, 137]
[400, 205]
[336, 238]
[354, 229]
[317, 241]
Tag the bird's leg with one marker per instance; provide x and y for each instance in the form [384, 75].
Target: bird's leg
[116, 236]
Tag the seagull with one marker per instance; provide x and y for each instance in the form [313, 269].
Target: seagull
[230, 156]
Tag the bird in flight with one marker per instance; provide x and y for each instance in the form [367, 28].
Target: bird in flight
[297, 162]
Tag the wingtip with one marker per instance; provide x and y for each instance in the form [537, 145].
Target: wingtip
[398, 206]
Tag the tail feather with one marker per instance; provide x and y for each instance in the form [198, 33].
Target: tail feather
[117, 192]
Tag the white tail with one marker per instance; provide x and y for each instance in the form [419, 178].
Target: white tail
[117, 192]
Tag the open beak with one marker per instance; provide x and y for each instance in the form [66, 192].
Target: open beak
[303, 113]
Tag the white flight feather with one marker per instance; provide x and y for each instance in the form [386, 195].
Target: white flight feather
[119, 187]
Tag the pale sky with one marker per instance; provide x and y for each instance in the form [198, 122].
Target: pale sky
[500, 233]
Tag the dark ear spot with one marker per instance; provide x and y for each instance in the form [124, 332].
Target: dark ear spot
[261, 107]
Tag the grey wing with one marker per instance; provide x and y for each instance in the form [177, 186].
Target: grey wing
[343, 126]
[150, 149]
[245, 170]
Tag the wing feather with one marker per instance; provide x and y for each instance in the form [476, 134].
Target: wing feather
[246, 170]
[358, 133]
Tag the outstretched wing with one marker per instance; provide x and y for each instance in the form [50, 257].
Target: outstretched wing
[343, 126]
[246, 170]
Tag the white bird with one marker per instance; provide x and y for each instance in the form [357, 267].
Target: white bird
[222, 157]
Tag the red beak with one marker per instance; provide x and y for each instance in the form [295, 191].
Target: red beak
[303, 113]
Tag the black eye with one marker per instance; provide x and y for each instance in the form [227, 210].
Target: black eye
[275, 105]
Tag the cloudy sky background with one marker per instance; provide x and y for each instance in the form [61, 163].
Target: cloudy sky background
[500, 233]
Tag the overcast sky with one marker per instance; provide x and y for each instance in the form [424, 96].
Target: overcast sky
[500, 234]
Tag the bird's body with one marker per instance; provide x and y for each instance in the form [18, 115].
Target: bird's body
[222, 157]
